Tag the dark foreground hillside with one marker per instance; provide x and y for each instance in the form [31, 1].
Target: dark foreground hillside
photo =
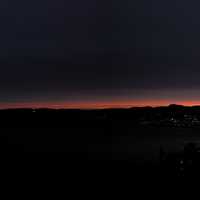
[150, 138]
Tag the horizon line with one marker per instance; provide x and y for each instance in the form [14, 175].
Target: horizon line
[96, 105]
[96, 108]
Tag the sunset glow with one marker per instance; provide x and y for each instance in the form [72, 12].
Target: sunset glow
[97, 105]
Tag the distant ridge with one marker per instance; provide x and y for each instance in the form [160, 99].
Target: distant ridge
[171, 106]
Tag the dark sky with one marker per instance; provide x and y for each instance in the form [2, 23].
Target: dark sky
[99, 50]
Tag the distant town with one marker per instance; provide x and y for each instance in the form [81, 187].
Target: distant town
[167, 116]
[172, 116]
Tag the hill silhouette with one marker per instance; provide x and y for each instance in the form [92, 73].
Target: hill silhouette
[77, 131]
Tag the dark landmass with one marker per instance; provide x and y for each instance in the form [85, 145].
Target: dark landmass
[143, 136]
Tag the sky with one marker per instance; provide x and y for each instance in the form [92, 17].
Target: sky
[99, 53]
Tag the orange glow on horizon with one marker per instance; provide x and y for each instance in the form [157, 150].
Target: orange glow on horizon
[98, 105]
